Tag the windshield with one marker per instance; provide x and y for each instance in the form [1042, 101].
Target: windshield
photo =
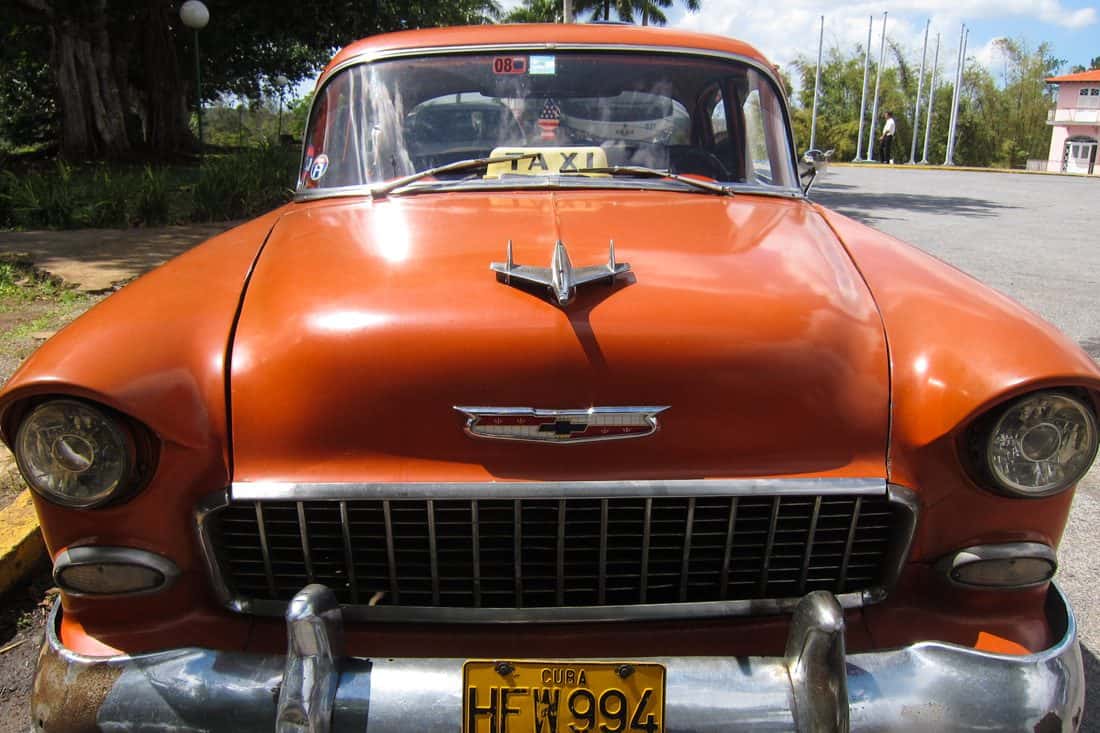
[715, 119]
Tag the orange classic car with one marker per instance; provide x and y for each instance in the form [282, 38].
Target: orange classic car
[551, 403]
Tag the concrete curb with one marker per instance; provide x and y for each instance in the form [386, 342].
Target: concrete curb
[21, 545]
[933, 167]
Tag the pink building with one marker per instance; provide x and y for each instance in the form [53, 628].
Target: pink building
[1075, 123]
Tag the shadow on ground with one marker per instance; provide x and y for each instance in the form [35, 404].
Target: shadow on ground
[870, 207]
[96, 259]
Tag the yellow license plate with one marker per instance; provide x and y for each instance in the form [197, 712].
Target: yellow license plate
[562, 697]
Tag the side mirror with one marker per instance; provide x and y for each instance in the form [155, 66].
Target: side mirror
[814, 162]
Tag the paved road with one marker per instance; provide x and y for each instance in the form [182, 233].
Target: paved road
[1034, 239]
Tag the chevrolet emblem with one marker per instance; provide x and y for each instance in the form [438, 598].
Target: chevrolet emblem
[560, 426]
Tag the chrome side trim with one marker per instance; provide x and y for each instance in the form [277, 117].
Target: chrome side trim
[902, 499]
[308, 491]
[100, 554]
[204, 513]
[380, 55]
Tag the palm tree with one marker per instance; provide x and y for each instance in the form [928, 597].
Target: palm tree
[535, 11]
[652, 11]
[601, 9]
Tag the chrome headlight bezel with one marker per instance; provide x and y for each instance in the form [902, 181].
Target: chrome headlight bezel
[97, 429]
[999, 431]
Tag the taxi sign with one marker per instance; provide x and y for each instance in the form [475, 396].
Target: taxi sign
[547, 161]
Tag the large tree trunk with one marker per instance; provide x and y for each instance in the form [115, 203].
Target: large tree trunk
[166, 129]
[92, 115]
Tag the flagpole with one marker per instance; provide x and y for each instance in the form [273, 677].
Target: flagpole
[878, 80]
[931, 98]
[955, 99]
[863, 95]
[817, 85]
[920, 91]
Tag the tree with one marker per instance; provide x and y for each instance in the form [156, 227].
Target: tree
[116, 65]
[28, 116]
[649, 11]
[536, 11]
[1001, 121]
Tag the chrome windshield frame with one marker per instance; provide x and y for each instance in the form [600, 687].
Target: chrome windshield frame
[368, 57]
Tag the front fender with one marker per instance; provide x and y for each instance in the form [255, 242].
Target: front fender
[957, 348]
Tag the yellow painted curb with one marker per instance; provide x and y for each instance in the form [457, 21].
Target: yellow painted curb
[21, 543]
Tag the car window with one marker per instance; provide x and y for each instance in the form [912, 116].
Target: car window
[377, 121]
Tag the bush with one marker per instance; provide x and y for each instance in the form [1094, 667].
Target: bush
[38, 200]
[106, 204]
[152, 200]
[243, 184]
[223, 187]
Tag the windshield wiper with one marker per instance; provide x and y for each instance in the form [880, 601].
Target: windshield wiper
[643, 172]
[388, 187]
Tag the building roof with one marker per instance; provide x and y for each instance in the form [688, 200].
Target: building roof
[545, 35]
[1093, 75]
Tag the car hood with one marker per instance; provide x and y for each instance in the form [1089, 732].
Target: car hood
[366, 322]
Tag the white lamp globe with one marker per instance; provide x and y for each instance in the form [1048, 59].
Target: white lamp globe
[194, 14]
[281, 81]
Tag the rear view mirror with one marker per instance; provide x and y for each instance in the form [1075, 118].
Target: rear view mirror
[814, 162]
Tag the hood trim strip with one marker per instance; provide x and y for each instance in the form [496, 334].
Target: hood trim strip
[320, 491]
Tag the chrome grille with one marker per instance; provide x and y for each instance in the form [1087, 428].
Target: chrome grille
[556, 553]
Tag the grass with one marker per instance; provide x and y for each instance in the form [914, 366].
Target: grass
[32, 304]
[19, 280]
[224, 186]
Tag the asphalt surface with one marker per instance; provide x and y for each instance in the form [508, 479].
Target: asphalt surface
[1034, 238]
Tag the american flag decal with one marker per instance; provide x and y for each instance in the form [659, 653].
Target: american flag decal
[549, 119]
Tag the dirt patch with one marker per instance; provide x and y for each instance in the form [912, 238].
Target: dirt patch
[11, 483]
[23, 614]
[33, 306]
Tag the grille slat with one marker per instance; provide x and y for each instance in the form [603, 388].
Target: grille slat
[494, 553]
[391, 555]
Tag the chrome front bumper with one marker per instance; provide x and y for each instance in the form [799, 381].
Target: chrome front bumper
[816, 686]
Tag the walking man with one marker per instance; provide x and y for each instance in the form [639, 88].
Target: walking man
[886, 142]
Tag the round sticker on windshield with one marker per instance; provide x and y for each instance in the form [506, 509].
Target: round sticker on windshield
[320, 165]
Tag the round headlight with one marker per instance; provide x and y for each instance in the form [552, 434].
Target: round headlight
[1041, 444]
[73, 453]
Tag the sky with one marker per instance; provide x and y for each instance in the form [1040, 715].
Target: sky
[785, 29]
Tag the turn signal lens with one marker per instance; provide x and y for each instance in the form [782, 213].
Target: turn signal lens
[108, 579]
[1009, 565]
[1042, 444]
[112, 571]
[1005, 572]
[73, 453]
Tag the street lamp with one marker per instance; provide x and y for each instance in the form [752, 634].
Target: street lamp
[281, 82]
[195, 16]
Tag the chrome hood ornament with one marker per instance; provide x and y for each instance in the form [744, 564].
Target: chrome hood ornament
[561, 278]
[560, 426]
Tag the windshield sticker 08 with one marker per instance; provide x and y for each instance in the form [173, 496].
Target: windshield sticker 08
[542, 65]
[509, 65]
[320, 165]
